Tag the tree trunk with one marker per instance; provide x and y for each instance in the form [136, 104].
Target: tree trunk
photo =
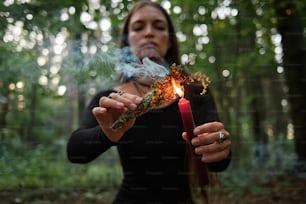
[32, 109]
[291, 29]
[71, 98]
[4, 108]
[258, 116]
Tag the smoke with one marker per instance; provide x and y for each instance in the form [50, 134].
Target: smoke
[103, 69]
[145, 70]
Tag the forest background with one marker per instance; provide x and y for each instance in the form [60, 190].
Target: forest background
[55, 55]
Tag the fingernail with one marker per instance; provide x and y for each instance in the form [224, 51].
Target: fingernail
[195, 141]
[99, 110]
[138, 99]
[102, 110]
[119, 105]
[133, 106]
[196, 131]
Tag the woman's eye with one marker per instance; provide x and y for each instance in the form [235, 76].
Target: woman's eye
[137, 28]
[160, 26]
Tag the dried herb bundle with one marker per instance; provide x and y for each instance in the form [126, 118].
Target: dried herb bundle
[162, 92]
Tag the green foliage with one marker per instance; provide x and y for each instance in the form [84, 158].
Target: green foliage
[256, 171]
[45, 165]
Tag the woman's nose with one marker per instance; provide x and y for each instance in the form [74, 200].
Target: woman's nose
[149, 31]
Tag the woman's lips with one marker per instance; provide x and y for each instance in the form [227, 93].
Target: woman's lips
[148, 49]
[148, 45]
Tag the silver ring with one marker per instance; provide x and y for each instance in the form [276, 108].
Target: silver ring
[119, 93]
[222, 138]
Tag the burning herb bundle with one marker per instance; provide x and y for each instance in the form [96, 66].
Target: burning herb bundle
[163, 92]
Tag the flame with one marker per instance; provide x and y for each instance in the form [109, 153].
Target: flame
[177, 88]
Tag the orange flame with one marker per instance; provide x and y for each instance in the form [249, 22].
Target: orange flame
[177, 88]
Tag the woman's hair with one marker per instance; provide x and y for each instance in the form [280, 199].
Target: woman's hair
[172, 55]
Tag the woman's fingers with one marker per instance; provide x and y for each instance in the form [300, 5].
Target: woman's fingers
[120, 101]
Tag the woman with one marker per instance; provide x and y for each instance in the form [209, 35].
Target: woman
[152, 148]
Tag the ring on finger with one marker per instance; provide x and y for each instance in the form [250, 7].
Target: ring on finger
[222, 137]
[120, 93]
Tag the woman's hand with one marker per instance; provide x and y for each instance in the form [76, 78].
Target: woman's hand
[208, 143]
[109, 110]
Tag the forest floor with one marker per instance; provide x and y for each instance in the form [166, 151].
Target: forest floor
[293, 190]
[275, 191]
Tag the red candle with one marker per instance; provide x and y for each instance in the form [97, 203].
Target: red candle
[187, 117]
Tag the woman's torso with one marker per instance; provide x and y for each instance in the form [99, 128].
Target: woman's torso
[153, 159]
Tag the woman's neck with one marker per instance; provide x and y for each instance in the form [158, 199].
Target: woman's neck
[141, 88]
[140, 83]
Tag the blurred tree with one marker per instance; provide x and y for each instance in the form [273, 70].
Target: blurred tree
[290, 26]
[28, 34]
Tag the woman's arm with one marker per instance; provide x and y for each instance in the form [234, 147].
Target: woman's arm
[88, 141]
[220, 165]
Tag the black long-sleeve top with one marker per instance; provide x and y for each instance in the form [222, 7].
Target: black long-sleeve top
[152, 153]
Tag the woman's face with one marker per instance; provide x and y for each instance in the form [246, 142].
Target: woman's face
[148, 33]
